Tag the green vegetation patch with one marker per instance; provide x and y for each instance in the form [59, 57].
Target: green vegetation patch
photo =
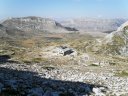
[118, 40]
[40, 60]
[122, 73]
[114, 46]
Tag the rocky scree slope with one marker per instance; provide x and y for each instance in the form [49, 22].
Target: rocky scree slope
[39, 80]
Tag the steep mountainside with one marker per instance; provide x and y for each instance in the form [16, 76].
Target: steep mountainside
[94, 24]
[116, 43]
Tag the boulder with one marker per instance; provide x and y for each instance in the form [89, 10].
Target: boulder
[98, 92]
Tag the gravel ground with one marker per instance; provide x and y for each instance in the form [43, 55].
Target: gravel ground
[39, 80]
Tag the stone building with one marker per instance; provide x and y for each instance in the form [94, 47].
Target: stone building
[64, 50]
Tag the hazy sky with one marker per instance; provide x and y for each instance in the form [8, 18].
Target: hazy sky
[64, 8]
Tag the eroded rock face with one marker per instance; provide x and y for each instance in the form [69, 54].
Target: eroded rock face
[123, 26]
[30, 23]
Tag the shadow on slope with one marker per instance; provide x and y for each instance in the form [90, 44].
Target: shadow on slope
[21, 83]
[5, 59]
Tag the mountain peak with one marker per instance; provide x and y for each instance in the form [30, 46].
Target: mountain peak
[123, 26]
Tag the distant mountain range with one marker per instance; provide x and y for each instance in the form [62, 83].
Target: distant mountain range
[37, 26]
[93, 24]
[31, 26]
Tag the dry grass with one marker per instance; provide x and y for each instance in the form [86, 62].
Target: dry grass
[28, 43]
[82, 43]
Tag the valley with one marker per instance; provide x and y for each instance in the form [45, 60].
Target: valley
[41, 57]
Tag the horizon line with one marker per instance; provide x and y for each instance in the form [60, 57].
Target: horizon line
[50, 17]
